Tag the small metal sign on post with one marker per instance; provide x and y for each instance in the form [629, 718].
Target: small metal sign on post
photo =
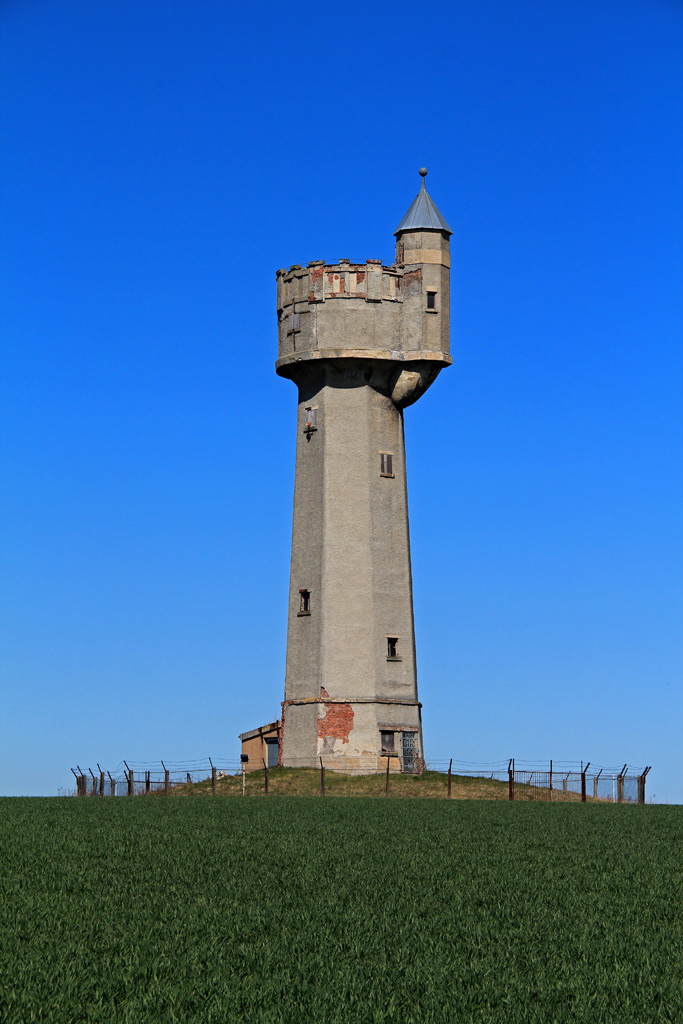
[244, 758]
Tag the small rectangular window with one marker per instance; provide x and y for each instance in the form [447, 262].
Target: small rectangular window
[392, 649]
[312, 417]
[387, 739]
[304, 602]
[386, 464]
[431, 300]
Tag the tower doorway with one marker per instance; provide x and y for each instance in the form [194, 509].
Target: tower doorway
[409, 753]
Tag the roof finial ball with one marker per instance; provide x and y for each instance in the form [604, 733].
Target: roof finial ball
[423, 172]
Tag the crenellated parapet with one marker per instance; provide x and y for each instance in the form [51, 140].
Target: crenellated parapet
[369, 281]
[368, 311]
[319, 304]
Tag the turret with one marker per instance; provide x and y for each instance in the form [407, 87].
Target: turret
[423, 255]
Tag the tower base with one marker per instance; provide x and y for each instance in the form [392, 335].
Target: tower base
[344, 733]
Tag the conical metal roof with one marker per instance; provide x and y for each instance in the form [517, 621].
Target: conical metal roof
[423, 213]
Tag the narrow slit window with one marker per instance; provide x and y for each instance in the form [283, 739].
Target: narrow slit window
[304, 602]
[387, 740]
[386, 464]
[392, 648]
[431, 300]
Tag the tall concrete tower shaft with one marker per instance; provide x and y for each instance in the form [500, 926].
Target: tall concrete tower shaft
[361, 342]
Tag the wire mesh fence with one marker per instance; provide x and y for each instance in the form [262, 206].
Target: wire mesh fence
[506, 779]
[561, 781]
[139, 778]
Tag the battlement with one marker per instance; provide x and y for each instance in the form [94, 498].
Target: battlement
[345, 309]
[319, 281]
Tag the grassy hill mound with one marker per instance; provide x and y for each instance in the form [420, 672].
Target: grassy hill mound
[306, 782]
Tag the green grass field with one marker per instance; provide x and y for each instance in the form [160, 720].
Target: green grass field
[344, 910]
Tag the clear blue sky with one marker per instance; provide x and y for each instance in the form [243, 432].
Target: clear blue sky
[161, 160]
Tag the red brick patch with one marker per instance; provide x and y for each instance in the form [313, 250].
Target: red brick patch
[337, 722]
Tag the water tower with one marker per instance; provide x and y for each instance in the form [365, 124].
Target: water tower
[361, 341]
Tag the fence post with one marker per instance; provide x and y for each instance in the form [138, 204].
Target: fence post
[167, 780]
[511, 779]
[641, 785]
[213, 777]
[94, 782]
[550, 791]
[147, 785]
[620, 784]
[322, 778]
[265, 776]
[112, 785]
[450, 766]
[386, 782]
[583, 781]
[131, 781]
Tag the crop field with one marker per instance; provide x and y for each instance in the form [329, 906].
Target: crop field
[346, 910]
